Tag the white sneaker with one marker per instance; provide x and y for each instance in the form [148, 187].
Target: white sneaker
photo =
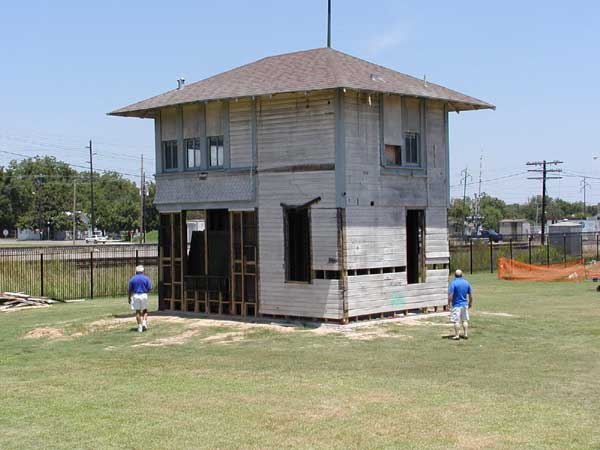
[140, 328]
[144, 326]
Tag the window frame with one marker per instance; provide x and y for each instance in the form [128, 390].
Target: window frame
[209, 165]
[287, 249]
[172, 146]
[197, 149]
[404, 168]
[417, 137]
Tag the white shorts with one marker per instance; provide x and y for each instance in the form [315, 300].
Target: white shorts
[139, 301]
[459, 314]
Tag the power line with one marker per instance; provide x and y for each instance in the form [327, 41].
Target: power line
[78, 166]
[490, 180]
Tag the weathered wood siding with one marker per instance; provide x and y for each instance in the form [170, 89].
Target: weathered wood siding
[295, 130]
[372, 294]
[437, 250]
[192, 121]
[168, 125]
[240, 133]
[377, 200]
[375, 237]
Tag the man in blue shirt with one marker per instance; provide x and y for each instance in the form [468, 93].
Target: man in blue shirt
[458, 291]
[139, 286]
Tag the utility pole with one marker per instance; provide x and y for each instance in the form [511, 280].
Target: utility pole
[544, 171]
[478, 199]
[464, 176]
[584, 186]
[74, 208]
[329, 24]
[142, 204]
[92, 187]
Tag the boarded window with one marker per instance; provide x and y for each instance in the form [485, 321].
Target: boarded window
[215, 151]
[170, 155]
[193, 153]
[297, 244]
[393, 155]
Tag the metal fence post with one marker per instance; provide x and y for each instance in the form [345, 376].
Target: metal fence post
[41, 274]
[547, 252]
[491, 257]
[564, 249]
[597, 246]
[529, 247]
[91, 274]
[471, 255]
[137, 257]
[510, 246]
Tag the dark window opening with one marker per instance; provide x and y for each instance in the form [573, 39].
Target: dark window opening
[215, 152]
[193, 153]
[170, 155]
[297, 242]
[393, 155]
[415, 246]
[411, 143]
[218, 242]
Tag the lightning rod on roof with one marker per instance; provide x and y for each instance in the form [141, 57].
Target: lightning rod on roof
[328, 23]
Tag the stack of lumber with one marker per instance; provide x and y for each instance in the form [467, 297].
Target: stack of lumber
[13, 300]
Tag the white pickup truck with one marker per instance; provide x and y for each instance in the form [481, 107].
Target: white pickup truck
[96, 238]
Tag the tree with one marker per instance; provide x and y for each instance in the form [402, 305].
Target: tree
[151, 211]
[39, 190]
[116, 202]
[493, 211]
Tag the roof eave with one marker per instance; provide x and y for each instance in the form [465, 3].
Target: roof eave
[455, 105]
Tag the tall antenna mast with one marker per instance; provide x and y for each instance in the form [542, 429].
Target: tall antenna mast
[328, 23]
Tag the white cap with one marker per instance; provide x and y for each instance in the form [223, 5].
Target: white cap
[457, 274]
[139, 269]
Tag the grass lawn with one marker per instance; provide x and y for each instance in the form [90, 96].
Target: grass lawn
[530, 380]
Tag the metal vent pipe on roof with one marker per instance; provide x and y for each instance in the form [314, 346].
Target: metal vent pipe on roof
[180, 83]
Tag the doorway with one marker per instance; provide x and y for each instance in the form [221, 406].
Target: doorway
[415, 246]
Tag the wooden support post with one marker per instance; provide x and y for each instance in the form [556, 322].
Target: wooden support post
[491, 257]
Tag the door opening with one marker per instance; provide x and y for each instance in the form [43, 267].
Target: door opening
[415, 246]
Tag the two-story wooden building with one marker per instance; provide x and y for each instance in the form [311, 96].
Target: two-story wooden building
[311, 184]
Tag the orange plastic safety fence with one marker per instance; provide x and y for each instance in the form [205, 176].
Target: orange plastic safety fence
[509, 269]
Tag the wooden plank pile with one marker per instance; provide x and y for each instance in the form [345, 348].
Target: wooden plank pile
[14, 300]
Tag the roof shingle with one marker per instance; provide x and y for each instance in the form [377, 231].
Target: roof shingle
[308, 70]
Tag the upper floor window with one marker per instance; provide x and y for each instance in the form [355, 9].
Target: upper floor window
[411, 145]
[193, 153]
[402, 128]
[215, 152]
[170, 155]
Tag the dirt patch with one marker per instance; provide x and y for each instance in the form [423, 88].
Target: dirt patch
[178, 339]
[225, 338]
[421, 323]
[369, 334]
[497, 314]
[47, 333]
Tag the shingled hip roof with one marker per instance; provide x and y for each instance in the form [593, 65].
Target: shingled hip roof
[309, 70]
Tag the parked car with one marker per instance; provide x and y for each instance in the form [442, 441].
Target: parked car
[96, 238]
[491, 235]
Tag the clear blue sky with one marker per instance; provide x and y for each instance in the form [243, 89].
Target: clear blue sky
[66, 63]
